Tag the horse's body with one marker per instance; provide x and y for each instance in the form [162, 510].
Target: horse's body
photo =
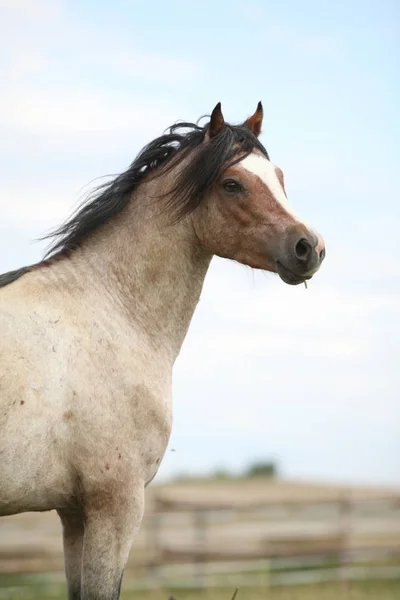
[89, 336]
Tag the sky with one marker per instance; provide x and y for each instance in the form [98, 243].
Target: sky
[308, 378]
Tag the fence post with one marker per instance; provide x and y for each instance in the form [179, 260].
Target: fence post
[345, 514]
[153, 536]
[200, 537]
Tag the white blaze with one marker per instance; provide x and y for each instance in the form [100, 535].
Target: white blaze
[265, 170]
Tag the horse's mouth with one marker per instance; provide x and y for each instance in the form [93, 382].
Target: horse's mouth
[288, 276]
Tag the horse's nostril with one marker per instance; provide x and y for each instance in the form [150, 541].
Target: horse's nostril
[322, 254]
[303, 249]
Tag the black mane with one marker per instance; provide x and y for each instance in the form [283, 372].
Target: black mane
[195, 180]
[201, 173]
[11, 276]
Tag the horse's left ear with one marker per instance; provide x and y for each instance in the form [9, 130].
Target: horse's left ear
[254, 123]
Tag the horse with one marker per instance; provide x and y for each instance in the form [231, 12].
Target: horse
[90, 334]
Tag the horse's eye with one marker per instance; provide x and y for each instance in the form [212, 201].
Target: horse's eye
[232, 187]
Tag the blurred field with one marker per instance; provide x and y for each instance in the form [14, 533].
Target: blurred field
[242, 514]
[262, 535]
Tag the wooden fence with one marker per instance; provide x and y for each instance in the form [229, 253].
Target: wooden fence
[345, 531]
[236, 533]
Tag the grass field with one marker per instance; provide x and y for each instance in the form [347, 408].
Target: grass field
[20, 588]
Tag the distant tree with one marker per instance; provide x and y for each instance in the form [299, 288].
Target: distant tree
[262, 469]
[222, 474]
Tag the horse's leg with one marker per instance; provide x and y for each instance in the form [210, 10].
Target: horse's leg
[109, 530]
[73, 530]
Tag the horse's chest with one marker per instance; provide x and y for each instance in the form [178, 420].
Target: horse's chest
[125, 434]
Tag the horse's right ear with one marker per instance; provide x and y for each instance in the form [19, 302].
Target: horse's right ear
[217, 122]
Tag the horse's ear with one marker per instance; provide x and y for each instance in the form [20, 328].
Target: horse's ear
[254, 123]
[217, 122]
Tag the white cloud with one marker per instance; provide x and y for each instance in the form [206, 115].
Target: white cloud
[224, 349]
[32, 9]
[48, 111]
[32, 208]
[52, 86]
[149, 66]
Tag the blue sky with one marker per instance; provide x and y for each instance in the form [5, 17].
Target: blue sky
[307, 377]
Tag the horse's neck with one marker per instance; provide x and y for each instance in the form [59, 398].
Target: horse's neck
[153, 271]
